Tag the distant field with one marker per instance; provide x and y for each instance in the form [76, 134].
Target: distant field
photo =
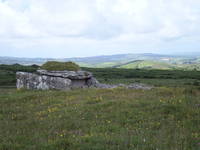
[131, 61]
[146, 64]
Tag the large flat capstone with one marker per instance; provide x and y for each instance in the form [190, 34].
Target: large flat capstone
[80, 75]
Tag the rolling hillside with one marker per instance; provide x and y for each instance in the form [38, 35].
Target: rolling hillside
[146, 64]
[144, 61]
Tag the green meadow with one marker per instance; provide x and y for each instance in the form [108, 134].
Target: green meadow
[100, 119]
[166, 117]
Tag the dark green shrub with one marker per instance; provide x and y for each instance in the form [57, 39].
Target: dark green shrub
[196, 83]
[60, 66]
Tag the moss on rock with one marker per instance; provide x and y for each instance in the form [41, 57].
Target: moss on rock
[60, 66]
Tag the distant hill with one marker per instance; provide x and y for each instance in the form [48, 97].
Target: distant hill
[144, 61]
[146, 64]
[95, 60]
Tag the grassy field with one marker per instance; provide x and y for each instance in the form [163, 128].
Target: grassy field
[148, 64]
[100, 119]
[164, 118]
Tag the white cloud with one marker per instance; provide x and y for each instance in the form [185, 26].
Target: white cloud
[24, 23]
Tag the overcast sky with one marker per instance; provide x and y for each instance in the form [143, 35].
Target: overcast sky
[74, 28]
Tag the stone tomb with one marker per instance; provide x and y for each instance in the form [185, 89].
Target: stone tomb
[66, 80]
[61, 80]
